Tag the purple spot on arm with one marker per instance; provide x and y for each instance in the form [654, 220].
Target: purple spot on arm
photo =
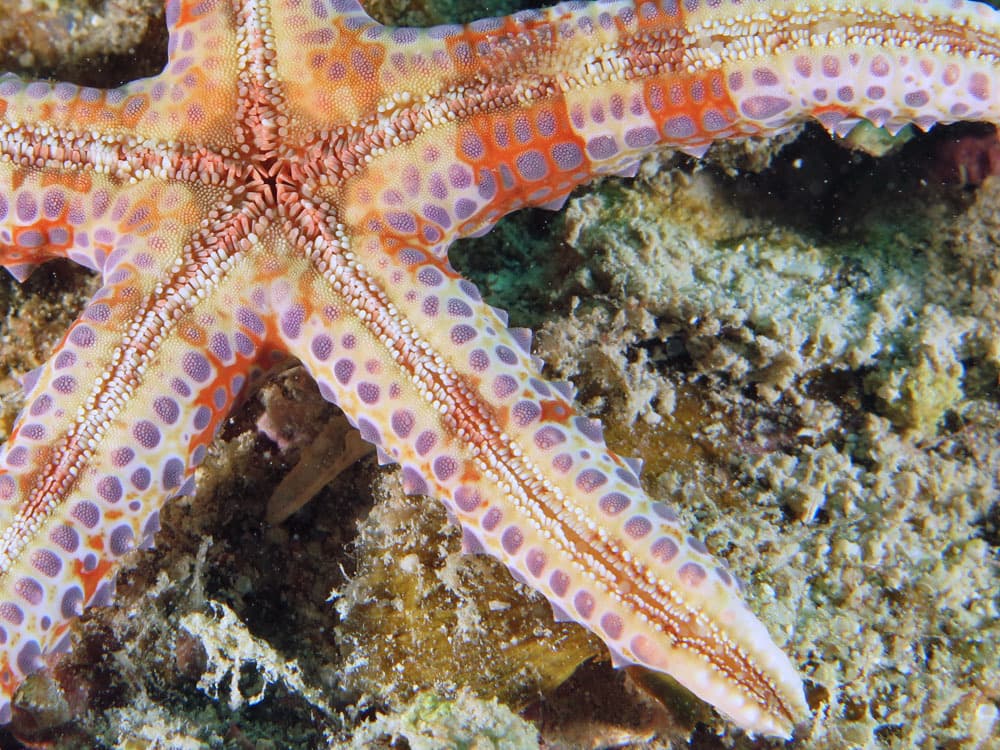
[196, 366]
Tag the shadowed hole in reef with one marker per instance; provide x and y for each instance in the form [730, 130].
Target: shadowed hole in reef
[989, 526]
[824, 188]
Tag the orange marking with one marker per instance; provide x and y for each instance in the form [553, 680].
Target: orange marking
[80, 182]
[501, 136]
[840, 110]
[47, 250]
[193, 334]
[186, 15]
[91, 580]
[658, 22]
[692, 96]
[554, 410]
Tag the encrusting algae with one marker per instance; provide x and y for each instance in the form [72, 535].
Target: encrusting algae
[417, 613]
[802, 344]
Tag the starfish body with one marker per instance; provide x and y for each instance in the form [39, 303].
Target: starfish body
[288, 187]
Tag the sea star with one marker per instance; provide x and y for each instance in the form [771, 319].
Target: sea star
[289, 185]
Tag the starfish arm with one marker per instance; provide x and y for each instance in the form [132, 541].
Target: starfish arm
[83, 215]
[434, 378]
[117, 420]
[926, 63]
[134, 129]
[40, 216]
[66, 151]
[542, 101]
[83, 474]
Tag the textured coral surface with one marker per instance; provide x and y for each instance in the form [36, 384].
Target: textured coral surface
[800, 342]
